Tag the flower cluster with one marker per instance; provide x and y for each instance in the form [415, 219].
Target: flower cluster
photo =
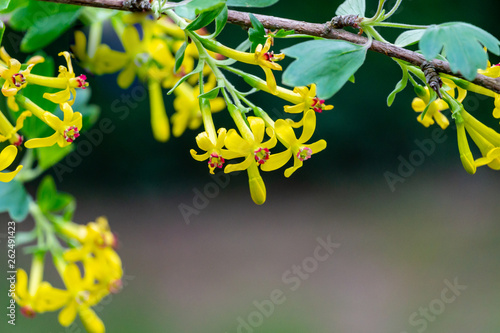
[485, 138]
[152, 60]
[16, 77]
[94, 250]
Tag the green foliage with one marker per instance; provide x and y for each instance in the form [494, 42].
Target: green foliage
[179, 56]
[327, 63]
[400, 86]
[462, 44]
[409, 37]
[4, 5]
[200, 6]
[2, 30]
[44, 22]
[51, 201]
[282, 33]
[14, 200]
[210, 94]
[220, 22]
[205, 18]
[256, 34]
[253, 3]
[352, 7]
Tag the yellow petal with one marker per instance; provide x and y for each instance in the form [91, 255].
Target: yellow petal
[7, 156]
[42, 142]
[91, 322]
[258, 127]
[256, 184]
[296, 164]
[8, 176]
[68, 314]
[276, 161]
[464, 150]
[248, 162]
[285, 132]
[295, 108]
[317, 146]
[60, 97]
[22, 284]
[309, 125]
[126, 76]
[131, 41]
[418, 104]
[201, 157]
[271, 81]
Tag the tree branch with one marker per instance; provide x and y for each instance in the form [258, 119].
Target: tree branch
[313, 29]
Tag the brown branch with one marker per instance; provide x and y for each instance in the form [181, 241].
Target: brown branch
[127, 5]
[313, 29]
[323, 30]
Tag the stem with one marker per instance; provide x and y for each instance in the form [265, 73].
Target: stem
[400, 25]
[393, 10]
[95, 36]
[311, 29]
[36, 273]
[379, 10]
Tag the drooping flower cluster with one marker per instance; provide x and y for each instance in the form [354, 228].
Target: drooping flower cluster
[485, 138]
[84, 288]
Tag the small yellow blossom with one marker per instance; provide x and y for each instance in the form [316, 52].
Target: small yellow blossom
[15, 78]
[212, 148]
[69, 81]
[308, 100]
[434, 114]
[9, 132]
[66, 131]
[298, 148]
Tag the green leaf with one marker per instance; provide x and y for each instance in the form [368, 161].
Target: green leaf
[12, 5]
[14, 200]
[400, 86]
[4, 4]
[2, 30]
[462, 44]
[256, 34]
[220, 22]
[49, 199]
[251, 3]
[25, 237]
[352, 7]
[199, 6]
[179, 56]
[409, 37]
[210, 94]
[44, 22]
[327, 63]
[282, 33]
[205, 18]
[199, 68]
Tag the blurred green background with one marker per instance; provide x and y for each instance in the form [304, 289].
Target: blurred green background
[397, 248]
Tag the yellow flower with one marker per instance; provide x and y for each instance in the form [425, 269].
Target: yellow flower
[212, 148]
[137, 53]
[15, 79]
[463, 148]
[80, 298]
[251, 148]
[66, 131]
[255, 153]
[44, 298]
[103, 61]
[298, 148]
[7, 156]
[266, 60]
[187, 107]
[69, 81]
[434, 112]
[308, 100]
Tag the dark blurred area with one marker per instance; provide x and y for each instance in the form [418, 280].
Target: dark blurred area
[399, 247]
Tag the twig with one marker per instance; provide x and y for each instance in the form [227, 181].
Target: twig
[313, 29]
